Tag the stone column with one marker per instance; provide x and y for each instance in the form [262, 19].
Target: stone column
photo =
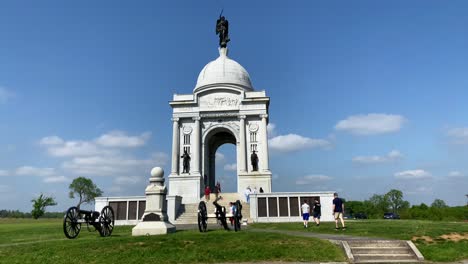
[175, 146]
[266, 167]
[242, 147]
[196, 146]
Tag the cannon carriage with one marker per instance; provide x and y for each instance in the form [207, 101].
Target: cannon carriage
[102, 222]
[220, 215]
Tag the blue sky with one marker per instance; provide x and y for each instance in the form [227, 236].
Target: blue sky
[366, 96]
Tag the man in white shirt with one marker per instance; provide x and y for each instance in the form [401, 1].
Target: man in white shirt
[305, 213]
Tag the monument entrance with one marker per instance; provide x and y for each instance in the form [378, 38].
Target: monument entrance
[223, 108]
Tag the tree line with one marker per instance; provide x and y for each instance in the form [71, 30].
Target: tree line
[379, 204]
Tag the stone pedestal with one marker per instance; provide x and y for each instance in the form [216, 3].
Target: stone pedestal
[154, 220]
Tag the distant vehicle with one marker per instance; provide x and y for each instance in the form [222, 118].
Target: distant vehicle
[360, 215]
[348, 216]
[391, 216]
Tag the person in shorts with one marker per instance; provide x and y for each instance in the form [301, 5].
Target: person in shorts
[338, 211]
[305, 213]
[317, 211]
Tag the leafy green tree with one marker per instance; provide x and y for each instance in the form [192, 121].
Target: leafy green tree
[84, 189]
[395, 200]
[39, 205]
[438, 203]
[379, 203]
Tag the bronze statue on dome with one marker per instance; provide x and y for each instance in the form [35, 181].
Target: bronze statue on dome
[222, 29]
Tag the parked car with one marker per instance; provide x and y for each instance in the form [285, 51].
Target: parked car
[391, 216]
[360, 215]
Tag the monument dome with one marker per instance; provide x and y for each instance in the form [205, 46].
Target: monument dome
[224, 70]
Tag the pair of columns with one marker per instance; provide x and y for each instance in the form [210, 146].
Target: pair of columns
[175, 147]
[196, 145]
[243, 147]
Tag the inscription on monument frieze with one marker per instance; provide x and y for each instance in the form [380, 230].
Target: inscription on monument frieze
[220, 101]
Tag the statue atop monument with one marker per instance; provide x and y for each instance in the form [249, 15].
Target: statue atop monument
[222, 29]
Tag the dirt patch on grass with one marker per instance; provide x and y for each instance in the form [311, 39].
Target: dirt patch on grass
[455, 237]
[426, 239]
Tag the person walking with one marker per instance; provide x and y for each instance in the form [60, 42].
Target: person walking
[317, 211]
[338, 211]
[305, 213]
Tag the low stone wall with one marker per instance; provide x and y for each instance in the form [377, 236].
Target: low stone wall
[286, 206]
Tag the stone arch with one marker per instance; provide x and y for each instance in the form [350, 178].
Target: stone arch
[212, 139]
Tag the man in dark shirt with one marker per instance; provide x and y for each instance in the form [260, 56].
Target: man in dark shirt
[317, 212]
[338, 211]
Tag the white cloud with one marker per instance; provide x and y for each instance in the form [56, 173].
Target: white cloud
[458, 135]
[56, 179]
[230, 167]
[271, 130]
[391, 156]
[124, 180]
[120, 139]
[456, 174]
[5, 95]
[313, 179]
[51, 141]
[73, 148]
[413, 175]
[34, 171]
[219, 156]
[106, 165]
[293, 142]
[4, 173]
[371, 124]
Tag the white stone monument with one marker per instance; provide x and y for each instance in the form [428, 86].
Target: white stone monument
[154, 220]
[223, 108]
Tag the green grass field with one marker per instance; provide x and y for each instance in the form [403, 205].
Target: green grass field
[42, 241]
[425, 234]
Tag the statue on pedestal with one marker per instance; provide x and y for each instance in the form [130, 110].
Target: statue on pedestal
[254, 161]
[222, 28]
[186, 162]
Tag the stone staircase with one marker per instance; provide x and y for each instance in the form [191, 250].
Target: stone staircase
[382, 251]
[188, 213]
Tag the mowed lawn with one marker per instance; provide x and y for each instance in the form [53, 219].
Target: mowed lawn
[437, 240]
[42, 241]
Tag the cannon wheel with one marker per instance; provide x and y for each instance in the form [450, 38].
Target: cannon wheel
[71, 226]
[106, 221]
[238, 216]
[202, 216]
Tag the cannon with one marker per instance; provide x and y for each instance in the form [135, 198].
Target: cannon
[220, 215]
[74, 217]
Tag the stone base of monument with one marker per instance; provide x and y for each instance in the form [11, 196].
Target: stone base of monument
[154, 220]
[153, 228]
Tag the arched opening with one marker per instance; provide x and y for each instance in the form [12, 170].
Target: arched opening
[226, 168]
[219, 143]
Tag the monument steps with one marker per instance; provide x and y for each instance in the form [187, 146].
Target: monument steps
[383, 251]
[188, 213]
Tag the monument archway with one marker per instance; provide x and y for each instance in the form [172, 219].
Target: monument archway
[223, 109]
[212, 140]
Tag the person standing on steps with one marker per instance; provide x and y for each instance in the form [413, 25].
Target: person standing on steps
[305, 213]
[317, 211]
[207, 193]
[338, 211]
